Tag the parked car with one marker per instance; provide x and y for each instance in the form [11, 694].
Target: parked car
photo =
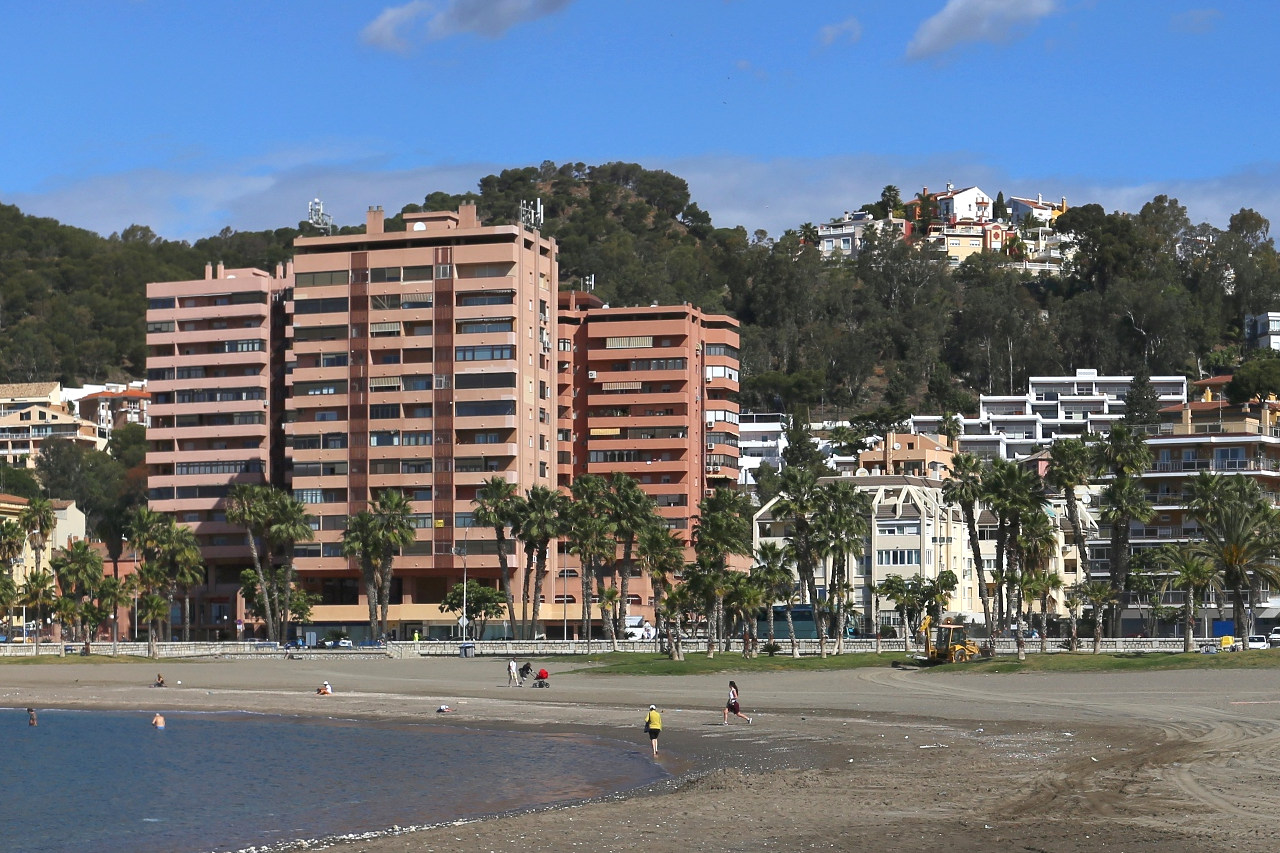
[344, 643]
[1256, 641]
[1274, 637]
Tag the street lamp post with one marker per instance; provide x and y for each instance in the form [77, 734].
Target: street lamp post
[461, 551]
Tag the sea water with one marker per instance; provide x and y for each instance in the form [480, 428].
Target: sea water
[107, 781]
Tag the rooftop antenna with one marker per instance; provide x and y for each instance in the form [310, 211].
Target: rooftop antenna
[531, 214]
[589, 282]
[317, 217]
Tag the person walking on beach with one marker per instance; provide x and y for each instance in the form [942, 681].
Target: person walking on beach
[31, 717]
[732, 706]
[653, 725]
[513, 673]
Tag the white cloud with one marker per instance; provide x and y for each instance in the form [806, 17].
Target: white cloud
[772, 195]
[398, 27]
[962, 21]
[1195, 21]
[846, 31]
[775, 195]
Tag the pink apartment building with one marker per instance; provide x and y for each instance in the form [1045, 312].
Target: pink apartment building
[649, 392]
[421, 360]
[426, 360]
[215, 413]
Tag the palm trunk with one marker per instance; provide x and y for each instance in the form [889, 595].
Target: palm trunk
[529, 550]
[1237, 610]
[586, 603]
[267, 615]
[539, 574]
[384, 603]
[1022, 640]
[791, 632]
[153, 645]
[286, 603]
[186, 617]
[1188, 623]
[1119, 570]
[504, 571]
[1044, 623]
[975, 546]
[1075, 632]
[624, 583]
[371, 593]
[1097, 630]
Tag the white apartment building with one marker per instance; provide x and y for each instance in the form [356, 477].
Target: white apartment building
[1014, 426]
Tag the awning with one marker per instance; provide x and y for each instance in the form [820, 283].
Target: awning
[375, 328]
[620, 386]
[383, 383]
[1268, 613]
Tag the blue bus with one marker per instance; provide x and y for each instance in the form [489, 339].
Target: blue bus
[802, 618]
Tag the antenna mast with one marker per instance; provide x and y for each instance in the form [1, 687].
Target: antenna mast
[531, 214]
[317, 217]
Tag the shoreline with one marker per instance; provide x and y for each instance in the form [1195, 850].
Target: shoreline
[842, 760]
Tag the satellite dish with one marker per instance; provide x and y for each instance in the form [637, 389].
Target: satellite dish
[861, 472]
[1084, 499]
[419, 226]
[897, 446]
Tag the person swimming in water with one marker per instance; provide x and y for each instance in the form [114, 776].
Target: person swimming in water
[158, 720]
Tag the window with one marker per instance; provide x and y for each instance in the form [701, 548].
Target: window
[415, 439]
[722, 349]
[500, 297]
[415, 466]
[159, 304]
[491, 353]
[318, 279]
[486, 327]
[332, 305]
[492, 408]
[384, 438]
[334, 360]
[898, 557]
[384, 411]
[416, 273]
[381, 274]
[157, 328]
[484, 380]
[629, 342]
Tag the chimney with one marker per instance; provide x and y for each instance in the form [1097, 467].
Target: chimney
[222, 273]
[1064, 204]
[208, 270]
[373, 220]
[1039, 199]
[1186, 414]
[467, 217]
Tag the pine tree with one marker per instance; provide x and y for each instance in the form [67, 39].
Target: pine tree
[1141, 404]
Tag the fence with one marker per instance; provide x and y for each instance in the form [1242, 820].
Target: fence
[538, 648]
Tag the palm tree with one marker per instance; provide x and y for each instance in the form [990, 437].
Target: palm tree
[661, 555]
[360, 541]
[1195, 576]
[1014, 493]
[153, 609]
[608, 606]
[9, 596]
[1100, 595]
[1123, 501]
[630, 508]
[78, 569]
[964, 489]
[798, 500]
[774, 575]
[809, 234]
[722, 529]
[745, 598]
[13, 539]
[840, 525]
[111, 597]
[180, 556]
[674, 606]
[591, 537]
[545, 519]
[1071, 465]
[38, 519]
[289, 524]
[1126, 455]
[1072, 599]
[495, 505]
[1240, 540]
[395, 532]
[249, 506]
[1037, 541]
[38, 592]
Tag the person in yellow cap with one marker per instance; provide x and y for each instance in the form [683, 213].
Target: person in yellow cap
[653, 725]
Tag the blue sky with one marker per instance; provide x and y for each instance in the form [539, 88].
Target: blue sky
[189, 117]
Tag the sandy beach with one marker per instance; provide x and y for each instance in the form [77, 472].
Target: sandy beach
[861, 759]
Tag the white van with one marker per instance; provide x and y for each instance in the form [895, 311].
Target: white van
[637, 628]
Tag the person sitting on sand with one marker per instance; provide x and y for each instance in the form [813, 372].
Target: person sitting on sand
[158, 721]
[324, 690]
[444, 709]
[159, 680]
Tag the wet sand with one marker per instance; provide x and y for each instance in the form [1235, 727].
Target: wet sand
[857, 760]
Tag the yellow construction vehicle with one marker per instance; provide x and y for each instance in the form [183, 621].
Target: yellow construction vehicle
[949, 644]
